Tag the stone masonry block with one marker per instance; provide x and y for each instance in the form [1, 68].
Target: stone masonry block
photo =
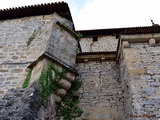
[138, 71]
[152, 42]
[125, 44]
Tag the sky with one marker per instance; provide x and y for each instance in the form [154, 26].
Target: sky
[103, 14]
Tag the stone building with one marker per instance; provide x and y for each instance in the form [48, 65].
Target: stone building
[119, 68]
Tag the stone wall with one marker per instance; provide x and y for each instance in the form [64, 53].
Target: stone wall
[18, 56]
[25, 104]
[15, 55]
[101, 96]
[63, 44]
[104, 43]
[140, 77]
[45, 36]
[130, 90]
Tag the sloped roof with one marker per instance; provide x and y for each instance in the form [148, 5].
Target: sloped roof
[129, 30]
[33, 10]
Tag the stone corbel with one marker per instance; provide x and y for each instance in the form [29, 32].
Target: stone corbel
[152, 42]
[125, 44]
[42, 64]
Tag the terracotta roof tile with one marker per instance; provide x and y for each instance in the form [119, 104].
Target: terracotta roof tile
[33, 10]
[114, 31]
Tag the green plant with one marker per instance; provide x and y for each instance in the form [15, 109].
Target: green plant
[77, 50]
[27, 80]
[71, 56]
[79, 35]
[69, 107]
[64, 24]
[32, 37]
[48, 85]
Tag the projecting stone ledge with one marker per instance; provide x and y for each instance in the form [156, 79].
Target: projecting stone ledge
[95, 56]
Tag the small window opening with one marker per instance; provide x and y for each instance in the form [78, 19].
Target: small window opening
[95, 38]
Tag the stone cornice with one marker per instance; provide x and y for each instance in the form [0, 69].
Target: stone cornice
[140, 37]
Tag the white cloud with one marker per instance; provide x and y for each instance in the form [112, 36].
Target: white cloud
[117, 13]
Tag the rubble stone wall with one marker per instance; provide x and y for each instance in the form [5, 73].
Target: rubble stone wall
[45, 36]
[104, 43]
[15, 55]
[101, 96]
[140, 77]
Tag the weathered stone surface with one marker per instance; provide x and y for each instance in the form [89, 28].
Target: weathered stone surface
[61, 92]
[101, 92]
[125, 44]
[69, 76]
[65, 84]
[140, 79]
[3, 70]
[16, 70]
[57, 98]
[145, 77]
[136, 71]
[152, 42]
[20, 104]
[104, 43]
[62, 43]
[16, 55]
[109, 91]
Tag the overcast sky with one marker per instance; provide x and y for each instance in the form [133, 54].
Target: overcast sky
[101, 14]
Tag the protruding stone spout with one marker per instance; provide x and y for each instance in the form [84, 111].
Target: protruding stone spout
[57, 99]
[61, 92]
[65, 84]
[70, 76]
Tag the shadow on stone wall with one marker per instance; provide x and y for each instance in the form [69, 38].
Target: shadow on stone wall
[25, 104]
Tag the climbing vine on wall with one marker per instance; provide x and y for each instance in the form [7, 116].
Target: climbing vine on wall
[32, 37]
[48, 85]
[68, 109]
[27, 80]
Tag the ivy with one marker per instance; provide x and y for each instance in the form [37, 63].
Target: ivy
[48, 85]
[68, 109]
[27, 80]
